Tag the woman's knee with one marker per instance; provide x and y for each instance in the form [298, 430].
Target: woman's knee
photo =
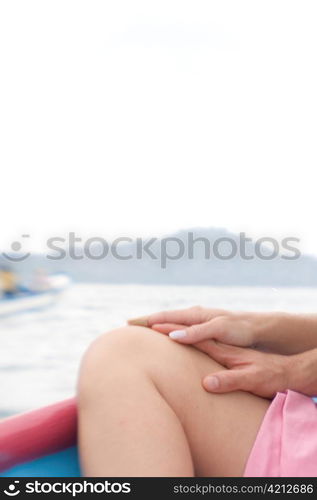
[115, 352]
[172, 367]
[117, 346]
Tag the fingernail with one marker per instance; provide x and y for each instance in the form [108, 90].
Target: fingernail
[177, 334]
[141, 321]
[212, 383]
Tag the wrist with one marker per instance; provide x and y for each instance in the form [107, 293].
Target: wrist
[269, 330]
[301, 372]
[292, 366]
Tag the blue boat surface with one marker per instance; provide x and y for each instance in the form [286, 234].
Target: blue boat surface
[41, 443]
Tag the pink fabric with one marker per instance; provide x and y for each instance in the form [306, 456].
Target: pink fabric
[286, 444]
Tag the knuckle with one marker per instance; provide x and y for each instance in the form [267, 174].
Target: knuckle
[258, 374]
[193, 330]
[227, 383]
[200, 314]
[197, 309]
[221, 324]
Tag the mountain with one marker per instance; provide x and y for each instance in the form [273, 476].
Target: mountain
[183, 258]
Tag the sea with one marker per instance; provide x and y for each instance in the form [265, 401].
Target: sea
[40, 351]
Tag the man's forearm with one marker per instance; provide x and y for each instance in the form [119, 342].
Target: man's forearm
[302, 372]
[287, 333]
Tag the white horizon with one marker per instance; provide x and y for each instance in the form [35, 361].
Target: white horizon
[139, 118]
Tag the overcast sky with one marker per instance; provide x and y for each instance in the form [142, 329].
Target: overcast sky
[143, 117]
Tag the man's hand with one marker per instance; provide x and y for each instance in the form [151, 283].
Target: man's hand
[248, 370]
[263, 374]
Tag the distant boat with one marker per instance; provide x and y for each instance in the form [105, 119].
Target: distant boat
[30, 300]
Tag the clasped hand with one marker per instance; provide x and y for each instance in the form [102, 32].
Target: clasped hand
[263, 353]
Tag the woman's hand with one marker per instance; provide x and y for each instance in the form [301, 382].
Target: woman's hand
[189, 326]
[260, 373]
[192, 325]
[274, 331]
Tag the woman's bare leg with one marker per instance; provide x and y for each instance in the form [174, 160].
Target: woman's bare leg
[143, 411]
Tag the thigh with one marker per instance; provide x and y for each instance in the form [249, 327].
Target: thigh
[220, 428]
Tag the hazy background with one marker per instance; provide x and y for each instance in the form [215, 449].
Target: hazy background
[140, 117]
[145, 118]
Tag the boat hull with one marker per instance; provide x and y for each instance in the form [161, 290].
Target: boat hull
[41, 443]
